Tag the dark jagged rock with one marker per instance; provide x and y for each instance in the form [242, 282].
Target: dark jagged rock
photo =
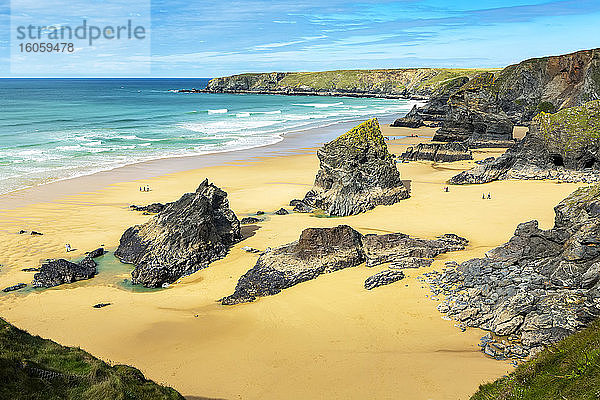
[187, 235]
[563, 146]
[410, 120]
[318, 251]
[394, 247]
[97, 252]
[383, 278]
[14, 287]
[357, 173]
[57, 272]
[30, 269]
[35, 233]
[540, 286]
[324, 250]
[300, 206]
[153, 208]
[249, 220]
[101, 305]
[474, 114]
[282, 211]
[21, 232]
[260, 212]
[437, 152]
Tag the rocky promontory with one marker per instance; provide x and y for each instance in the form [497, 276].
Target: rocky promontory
[437, 152]
[563, 146]
[536, 289]
[324, 250]
[391, 83]
[357, 173]
[185, 236]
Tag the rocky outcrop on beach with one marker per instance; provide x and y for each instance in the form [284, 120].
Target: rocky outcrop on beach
[187, 235]
[537, 288]
[410, 120]
[563, 146]
[360, 83]
[437, 152]
[399, 247]
[357, 173]
[324, 250]
[474, 115]
[12, 288]
[58, 272]
[317, 251]
[383, 278]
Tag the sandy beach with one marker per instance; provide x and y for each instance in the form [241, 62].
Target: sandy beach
[323, 339]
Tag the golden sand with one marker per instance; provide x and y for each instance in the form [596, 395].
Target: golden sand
[323, 339]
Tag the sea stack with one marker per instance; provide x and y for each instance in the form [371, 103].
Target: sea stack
[357, 173]
[187, 235]
[563, 146]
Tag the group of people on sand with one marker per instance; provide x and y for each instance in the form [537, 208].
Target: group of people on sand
[145, 188]
[489, 196]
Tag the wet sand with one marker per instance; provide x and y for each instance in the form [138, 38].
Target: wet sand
[323, 339]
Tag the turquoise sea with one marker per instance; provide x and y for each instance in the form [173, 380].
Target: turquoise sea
[54, 129]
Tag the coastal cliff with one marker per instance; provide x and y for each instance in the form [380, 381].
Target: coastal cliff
[564, 146]
[377, 82]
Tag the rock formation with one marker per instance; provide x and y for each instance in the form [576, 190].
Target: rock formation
[383, 278]
[563, 146]
[474, 114]
[324, 250]
[398, 247]
[539, 287]
[57, 272]
[187, 235]
[318, 251]
[410, 120]
[437, 152]
[357, 173]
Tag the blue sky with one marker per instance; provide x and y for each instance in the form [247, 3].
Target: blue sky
[212, 38]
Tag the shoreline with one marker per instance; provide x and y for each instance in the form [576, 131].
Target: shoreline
[293, 142]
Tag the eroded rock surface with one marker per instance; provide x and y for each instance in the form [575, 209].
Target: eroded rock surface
[57, 272]
[540, 286]
[563, 146]
[324, 250]
[357, 173]
[437, 152]
[187, 235]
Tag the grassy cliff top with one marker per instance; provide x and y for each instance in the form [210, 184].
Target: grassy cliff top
[571, 128]
[568, 370]
[385, 80]
[36, 368]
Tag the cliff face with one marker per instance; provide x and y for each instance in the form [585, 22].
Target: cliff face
[357, 173]
[548, 84]
[564, 145]
[395, 82]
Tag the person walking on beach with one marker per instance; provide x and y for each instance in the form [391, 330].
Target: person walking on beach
[483, 196]
[68, 247]
[489, 196]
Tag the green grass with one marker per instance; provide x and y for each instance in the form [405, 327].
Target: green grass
[82, 376]
[580, 126]
[384, 80]
[568, 370]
